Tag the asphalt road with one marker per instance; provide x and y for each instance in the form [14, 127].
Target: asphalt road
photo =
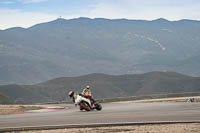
[112, 112]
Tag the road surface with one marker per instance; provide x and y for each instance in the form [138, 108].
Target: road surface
[112, 112]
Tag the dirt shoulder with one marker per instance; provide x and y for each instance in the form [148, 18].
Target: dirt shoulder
[17, 109]
[158, 128]
[176, 99]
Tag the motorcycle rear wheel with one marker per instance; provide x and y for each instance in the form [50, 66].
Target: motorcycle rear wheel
[98, 106]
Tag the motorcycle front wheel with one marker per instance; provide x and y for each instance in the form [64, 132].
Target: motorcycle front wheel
[98, 106]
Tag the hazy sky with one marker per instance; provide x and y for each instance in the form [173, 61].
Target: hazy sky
[25, 13]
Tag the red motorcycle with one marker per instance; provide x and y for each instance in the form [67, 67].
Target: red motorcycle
[84, 103]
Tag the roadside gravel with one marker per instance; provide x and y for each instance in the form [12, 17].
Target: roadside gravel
[158, 128]
[17, 109]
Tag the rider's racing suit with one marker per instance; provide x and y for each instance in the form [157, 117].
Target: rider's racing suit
[87, 94]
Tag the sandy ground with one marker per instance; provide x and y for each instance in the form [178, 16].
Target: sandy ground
[163, 128]
[176, 99]
[17, 109]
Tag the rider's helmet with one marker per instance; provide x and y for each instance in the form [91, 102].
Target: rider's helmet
[88, 87]
[71, 93]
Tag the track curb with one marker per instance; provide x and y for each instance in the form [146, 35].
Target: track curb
[91, 125]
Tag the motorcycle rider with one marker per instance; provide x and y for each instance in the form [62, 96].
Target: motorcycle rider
[87, 94]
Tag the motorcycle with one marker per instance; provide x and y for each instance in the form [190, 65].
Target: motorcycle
[85, 103]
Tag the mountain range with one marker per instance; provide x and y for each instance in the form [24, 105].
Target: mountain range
[102, 86]
[74, 47]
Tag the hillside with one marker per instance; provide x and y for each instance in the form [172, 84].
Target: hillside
[104, 86]
[64, 48]
[5, 100]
